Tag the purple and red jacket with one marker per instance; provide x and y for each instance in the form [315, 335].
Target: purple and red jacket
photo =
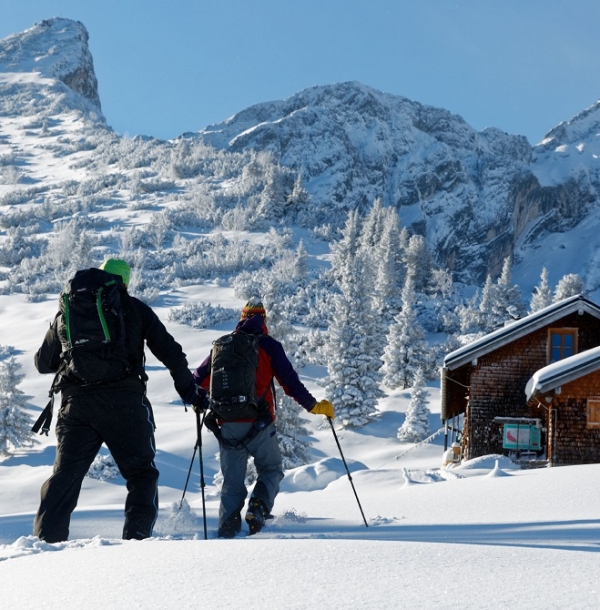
[272, 363]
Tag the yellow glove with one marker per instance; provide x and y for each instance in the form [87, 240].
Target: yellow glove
[323, 407]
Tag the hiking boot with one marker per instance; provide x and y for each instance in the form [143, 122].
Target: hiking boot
[256, 515]
[231, 526]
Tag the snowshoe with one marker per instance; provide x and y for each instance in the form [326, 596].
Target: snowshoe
[256, 515]
[231, 526]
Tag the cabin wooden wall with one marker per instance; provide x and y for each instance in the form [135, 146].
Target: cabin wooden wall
[571, 441]
[497, 382]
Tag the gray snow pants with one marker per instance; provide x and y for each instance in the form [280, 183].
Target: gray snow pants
[234, 454]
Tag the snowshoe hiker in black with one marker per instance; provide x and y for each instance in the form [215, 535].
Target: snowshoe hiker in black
[256, 515]
[231, 526]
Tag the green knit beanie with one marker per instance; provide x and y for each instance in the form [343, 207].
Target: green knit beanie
[117, 266]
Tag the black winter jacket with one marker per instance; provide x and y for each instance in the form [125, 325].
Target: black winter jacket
[142, 324]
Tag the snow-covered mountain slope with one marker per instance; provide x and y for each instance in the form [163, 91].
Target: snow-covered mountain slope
[476, 196]
[353, 144]
[49, 109]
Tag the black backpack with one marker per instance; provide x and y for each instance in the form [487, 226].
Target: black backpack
[91, 328]
[233, 366]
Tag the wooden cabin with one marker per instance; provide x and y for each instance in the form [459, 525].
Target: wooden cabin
[483, 401]
[569, 390]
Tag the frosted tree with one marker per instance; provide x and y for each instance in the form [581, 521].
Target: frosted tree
[69, 250]
[406, 351]
[500, 301]
[442, 303]
[372, 227]
[301, 270]
[468, 314]
[507, 303]
[353, 384]
[344, 254]
[542, 294]
[299, 195]
[272, 199]
[353, 350]
[419, 262]
[291, 430]
[388, 269]
[292, 433]
[568, 286]
[15, 422]
[416, 425]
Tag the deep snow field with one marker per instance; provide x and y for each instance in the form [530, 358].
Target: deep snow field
[481, 535]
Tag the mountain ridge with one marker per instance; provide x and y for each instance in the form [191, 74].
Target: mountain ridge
[477, 197]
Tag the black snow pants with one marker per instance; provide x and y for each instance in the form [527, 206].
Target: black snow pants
[123, 421]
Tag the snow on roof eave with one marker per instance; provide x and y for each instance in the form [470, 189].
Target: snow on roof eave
[558, 373]
[518, 329]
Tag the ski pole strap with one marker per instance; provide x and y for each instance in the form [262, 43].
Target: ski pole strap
[45, 419]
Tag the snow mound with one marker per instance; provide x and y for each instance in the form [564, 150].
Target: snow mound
[318, 475]
[497, 472]
[32, 545]
[488, 462]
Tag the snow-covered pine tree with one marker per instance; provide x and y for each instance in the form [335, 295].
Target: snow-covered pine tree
[442, 303]
[542, 294]
[103, 468]
[372, 227]
[419, 262]
[416, 425]
[70, 250]
[299, 195]
[344, 254]
[568, 286]
[353, 386]
[388, 269]
[468, 314]
[272, 199]
[406, 351]
[500, 302]
[301, 270]
[508, 303]
[15, 422]
[353, 350]
[291, 430]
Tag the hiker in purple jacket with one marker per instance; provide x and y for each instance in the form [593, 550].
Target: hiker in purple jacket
[240, 439]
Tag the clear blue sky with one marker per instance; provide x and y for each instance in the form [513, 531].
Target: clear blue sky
[166, 67]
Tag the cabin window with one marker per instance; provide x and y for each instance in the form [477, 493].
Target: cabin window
[593, 412]
[562, 343]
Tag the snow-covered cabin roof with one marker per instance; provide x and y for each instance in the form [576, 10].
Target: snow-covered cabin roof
[520, 328]
[558, 373]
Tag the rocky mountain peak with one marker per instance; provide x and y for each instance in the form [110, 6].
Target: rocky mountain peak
[353, 144]
[55, 48]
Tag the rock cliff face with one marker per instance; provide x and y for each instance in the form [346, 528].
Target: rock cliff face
[56, 48]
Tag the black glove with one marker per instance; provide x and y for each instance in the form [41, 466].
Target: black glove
[200, 401]
[195, 396]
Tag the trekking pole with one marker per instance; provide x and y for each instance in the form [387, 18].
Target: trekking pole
[188, 475]
[199, 424]
[347, 470]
